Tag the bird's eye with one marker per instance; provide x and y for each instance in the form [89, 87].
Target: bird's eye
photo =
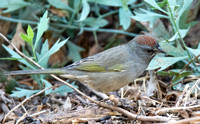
[150, 51]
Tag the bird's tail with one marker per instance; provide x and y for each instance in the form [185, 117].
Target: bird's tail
[36, 71]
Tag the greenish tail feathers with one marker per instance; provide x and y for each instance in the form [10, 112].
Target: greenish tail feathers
[36, 71]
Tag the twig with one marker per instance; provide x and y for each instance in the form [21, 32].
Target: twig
[99, 94]
[181, 96]
[20, 53]
[190, 91]
[25, 109]
[25, 115]
[84, 120]
[152, 100]
[193, 120]
[124, 112]
[175, 109]
[185, 67]
[38, 113]
[20, 119]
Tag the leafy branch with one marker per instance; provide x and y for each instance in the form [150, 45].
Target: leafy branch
[177, 30]
[39, 56]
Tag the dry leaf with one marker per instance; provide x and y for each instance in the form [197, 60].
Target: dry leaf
[29, 82]
[152, 84]
[58, 12]
[39, 108]
[17, 40]
[96, 48]
[114, 99]
[4, 25]
[184, 114]
[4, 28]
[67, 104]
[195, 113]
[84, 41]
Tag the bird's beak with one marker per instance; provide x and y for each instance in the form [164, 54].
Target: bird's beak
[160, 50]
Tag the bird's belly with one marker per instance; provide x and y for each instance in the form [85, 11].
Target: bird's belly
[110, 81]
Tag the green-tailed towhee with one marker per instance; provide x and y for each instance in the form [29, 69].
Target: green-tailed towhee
[111, 69]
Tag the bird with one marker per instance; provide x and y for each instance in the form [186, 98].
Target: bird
[111, 69]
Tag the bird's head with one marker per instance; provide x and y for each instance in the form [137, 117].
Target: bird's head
[145, 45]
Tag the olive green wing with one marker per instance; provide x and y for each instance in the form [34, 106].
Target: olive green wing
[88, 64]
[93, 67]
[107, 61]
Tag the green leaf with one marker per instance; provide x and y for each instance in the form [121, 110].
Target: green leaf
[95, 23]
[116, 3]
[173, 5]
[145, 15]
[186, 4]
[65, 89]
[181, 86]
[74, 51]
[53, 49]
[41, 28]
[174, 51]
[76, 4]
[163, 73]
[10, 85]
[174, 72]
[125, 18]
[163, 62]
[183, 23]
[25, 38]
[44, 50]
[47, 84]
[124, 4]
[155, 5]
[183, 33]
[30, 32]
[25, 51]
[181, 75]
[196, 52]
[198, 46]
[15, 55]
[162, 4]
[85, 10]
[13, 5]
[29, 37]
[11, 58]
[60, 5]
[23, 92]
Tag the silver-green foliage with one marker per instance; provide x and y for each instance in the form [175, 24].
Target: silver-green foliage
[41, 57]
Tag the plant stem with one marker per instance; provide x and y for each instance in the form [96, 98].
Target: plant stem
[70, 26]
[95, 37]
[177, 29]
[116, 11]
[34, 54]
